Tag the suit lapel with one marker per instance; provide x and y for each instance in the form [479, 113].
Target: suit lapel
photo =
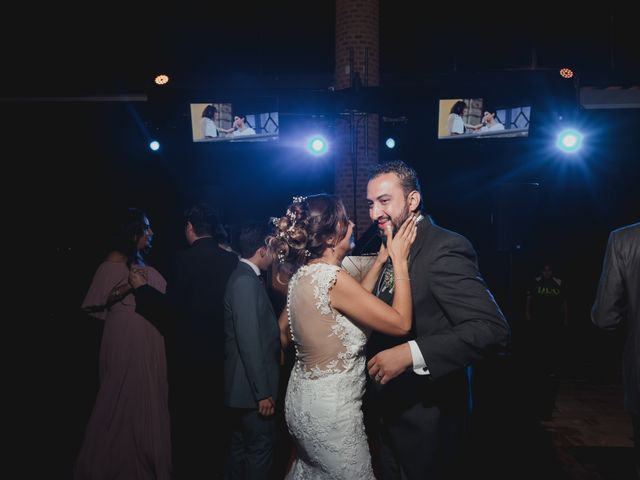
[423, 226]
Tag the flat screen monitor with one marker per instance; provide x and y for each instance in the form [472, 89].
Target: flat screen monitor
[460, 118]
[221, 122]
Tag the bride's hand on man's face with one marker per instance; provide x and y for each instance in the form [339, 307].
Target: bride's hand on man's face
[383, 254]
[400, 244]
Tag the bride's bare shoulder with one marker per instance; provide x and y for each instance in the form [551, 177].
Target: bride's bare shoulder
[344, 278]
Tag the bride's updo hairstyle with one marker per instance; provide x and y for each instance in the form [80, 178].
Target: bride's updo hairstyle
[303, 233]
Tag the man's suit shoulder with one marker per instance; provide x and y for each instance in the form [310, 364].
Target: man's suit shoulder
[243, 273]
[627, 232]
[204, 249]
[242, 280]
[228, 257]
[440, 235]
[625, 241]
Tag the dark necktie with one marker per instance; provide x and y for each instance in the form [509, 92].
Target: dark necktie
[387, 268]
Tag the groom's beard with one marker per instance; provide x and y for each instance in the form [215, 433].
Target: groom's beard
[395, 222]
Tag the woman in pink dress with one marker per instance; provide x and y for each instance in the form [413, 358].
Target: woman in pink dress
[128, 434]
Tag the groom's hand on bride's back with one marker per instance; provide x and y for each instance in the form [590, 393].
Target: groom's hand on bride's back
[388, 364]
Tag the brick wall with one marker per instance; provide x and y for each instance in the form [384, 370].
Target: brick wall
[357, 29]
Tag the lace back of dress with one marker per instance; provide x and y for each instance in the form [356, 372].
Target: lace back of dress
[317, 332]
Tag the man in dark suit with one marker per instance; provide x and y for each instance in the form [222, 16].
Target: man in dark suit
[252, 360]
[195, 289]
[617, 303]
[422, 387]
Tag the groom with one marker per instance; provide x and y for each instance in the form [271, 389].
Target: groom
[421, 383]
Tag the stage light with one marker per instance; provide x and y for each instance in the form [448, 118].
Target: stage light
[569, 141]
[161, 79]
[390, 142]
[154, 145]
[566, 73]
[317, 145]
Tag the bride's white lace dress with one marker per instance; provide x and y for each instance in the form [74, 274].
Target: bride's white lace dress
[323, 405]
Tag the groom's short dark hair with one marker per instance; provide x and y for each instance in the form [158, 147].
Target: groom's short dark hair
[407, 175]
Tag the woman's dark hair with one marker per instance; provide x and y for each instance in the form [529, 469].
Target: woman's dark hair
[209, 111]
[303, 232]
[458, 107]
[129, 228]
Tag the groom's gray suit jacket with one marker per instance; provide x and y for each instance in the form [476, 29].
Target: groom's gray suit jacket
[252, 341]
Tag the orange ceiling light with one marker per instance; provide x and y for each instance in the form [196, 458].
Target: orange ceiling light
[566, 73]
[161, 79]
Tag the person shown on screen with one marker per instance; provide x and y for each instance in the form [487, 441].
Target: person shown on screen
[208, 125]
[490, 122]
[240, 127]
[455, 124]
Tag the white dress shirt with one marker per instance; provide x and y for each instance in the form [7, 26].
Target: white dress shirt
[419, 365]
[253, 267]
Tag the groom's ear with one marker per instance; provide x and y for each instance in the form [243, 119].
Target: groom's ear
[414, 200]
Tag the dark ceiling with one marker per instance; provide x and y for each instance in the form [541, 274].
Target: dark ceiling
[74, 53]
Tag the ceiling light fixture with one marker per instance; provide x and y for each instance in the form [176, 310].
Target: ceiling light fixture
[162, 79]
[566, 73]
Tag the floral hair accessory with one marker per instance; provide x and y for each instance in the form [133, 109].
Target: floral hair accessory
[293, 217]
[286, 234]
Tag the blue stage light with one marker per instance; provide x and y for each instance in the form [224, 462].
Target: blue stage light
[569, 140]
[317, 145]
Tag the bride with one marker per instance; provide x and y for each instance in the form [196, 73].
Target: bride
[328, 317]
